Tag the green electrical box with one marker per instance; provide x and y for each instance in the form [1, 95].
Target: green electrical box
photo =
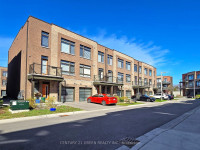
[19, 104]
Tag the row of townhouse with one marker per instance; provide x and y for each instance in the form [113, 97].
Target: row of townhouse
[49, 60]
[167, 84]
[190, 84]
[3, 81]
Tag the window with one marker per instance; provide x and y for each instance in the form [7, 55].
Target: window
[100, 73]
[110, 76]
[3, 93]
[154, 73]
[165, 79]
[110, 60]
[128, 78]
[120, 63]
[145, 71]
[45, 39]
[150, 93]
[128, 65]
[68, 68]
[136, 81]
[158, 79]
[67, 46]
[198, 83]
[4, 82]
[145, 81]
[198, 76]
[101, 57]
[150, 72]
[150, 82]
[135, 68]
[44, 65]
[140, 69]
[191, 77]
[85, 71]
[191, 84]
[4, 73]
[85, 52]
[120, 77]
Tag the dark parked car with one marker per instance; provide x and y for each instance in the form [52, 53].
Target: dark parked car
[190, 96]
[170, 97]
[147, 98]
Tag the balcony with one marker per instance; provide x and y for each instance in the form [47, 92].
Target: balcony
[45, 72]
[166, 82]
[140, 84]
[107, 80]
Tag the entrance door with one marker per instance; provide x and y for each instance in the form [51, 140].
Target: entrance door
[45, 90]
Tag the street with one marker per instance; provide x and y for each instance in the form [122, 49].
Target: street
[98, 130]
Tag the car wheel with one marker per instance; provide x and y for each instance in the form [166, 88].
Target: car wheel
[103, 103]
[89, 100]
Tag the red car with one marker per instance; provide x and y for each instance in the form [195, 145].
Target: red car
[103, 99]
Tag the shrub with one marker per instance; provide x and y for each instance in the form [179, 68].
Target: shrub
[118, 99]
[1, 102]
[51, 102]
[124, 99]
[32, 104]
[197, 97]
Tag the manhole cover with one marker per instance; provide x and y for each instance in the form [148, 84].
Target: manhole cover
[127, 141]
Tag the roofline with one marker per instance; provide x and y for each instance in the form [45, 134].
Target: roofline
[81, 36]
[190, 72]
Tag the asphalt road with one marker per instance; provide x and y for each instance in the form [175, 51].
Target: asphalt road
[92, 133]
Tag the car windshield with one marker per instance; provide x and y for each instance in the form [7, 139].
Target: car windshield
[108, 95]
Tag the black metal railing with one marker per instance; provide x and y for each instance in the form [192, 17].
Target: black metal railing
[45, 70]
[108, 79]
[141, 83]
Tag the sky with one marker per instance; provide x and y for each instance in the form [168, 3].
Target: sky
[165, 34]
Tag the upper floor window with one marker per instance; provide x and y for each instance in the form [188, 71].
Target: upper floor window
[145, 81]
[128, 65]
[85, 71]
[67, 46]
[191, 77]
[4, 82]
[120, 76]
[150, 82]
[110, 59]
[5, 74]
[140, 69]
[198, 83]
[100, 56]
[145, 71]
[120, 63]
[128, 78]
[45, 39]
[85, 52]
[135, 68]
[150, 72]
[198, 76]
[158, 79]
[68, 68]
[165, 79]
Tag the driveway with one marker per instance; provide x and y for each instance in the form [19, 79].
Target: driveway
[89, 106]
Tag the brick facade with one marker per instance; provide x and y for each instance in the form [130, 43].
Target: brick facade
[28, 45]
[3, 80]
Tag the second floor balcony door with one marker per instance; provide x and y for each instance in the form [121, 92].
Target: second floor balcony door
[44, 65]
[100, 74]
[110, 76]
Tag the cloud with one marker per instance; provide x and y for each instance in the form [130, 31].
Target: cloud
[146, 52]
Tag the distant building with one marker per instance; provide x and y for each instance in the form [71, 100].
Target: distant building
[3, 81]
[167, 84]
[187, 83]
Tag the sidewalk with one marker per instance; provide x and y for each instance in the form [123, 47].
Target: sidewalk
[180, 133]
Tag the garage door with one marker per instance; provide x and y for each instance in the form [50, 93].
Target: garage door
[67, 94]
[128, 94]
[84, 93]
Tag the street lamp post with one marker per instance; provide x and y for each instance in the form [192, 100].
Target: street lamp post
[161, 85]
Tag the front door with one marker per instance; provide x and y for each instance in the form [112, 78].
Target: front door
[45, 90]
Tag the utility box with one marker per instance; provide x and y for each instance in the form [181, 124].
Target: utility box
[19, 105]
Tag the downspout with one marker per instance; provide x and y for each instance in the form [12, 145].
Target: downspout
[26, 60]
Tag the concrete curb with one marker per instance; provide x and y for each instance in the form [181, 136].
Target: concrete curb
[80, 112]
